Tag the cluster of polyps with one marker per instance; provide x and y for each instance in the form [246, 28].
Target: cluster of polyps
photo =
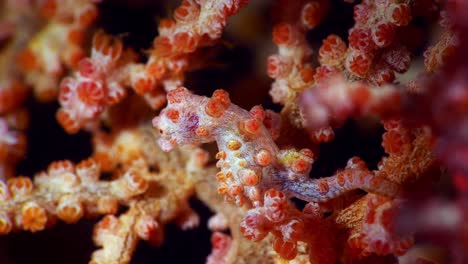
[57, 46]
[279, 217]
[94, 86]
[374, 51]
[101, 79]
[288, 225]
[66, 191]
[195, 24]
[375, 28]
[334, 100]
[249, 159]
[290, 67]
[377, 234]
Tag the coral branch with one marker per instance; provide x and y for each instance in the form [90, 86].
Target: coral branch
[66, 191]
[101, 80]
[336, 100]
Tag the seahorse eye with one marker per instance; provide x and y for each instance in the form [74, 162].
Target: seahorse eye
[161, 132]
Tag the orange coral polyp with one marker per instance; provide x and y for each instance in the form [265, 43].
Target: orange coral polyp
[90, 92]
[70, 210]
[358, 63]
[143, 85]
[20, 186]
[67, 122]
[135, 183]
[162, 46]
[287, 250]
[188, 10]
[332, 51]
[33, 217]
[86, 67]
[283, 34]
[311, 14]
[400, 14]
[185, 42]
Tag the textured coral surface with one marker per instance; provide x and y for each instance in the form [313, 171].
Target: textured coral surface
[233, 131]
